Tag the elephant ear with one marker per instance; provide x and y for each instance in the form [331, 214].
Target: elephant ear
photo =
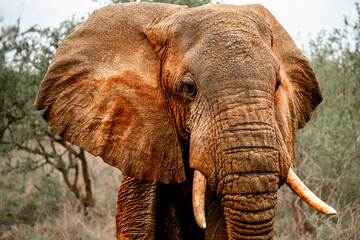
[299, 92]
[101, 93]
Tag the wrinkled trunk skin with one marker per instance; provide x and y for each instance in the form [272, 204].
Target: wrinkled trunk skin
[250, 216]
[248, 178]
[249, 199]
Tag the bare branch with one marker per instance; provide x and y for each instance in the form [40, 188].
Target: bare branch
[89, 200]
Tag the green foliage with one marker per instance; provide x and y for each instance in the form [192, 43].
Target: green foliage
[24, 59]
[23, 199]
[328, 148]
[27, 144]
[38, 206]
[335, 132]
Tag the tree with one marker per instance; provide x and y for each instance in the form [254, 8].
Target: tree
[24, 59]
[328, 148]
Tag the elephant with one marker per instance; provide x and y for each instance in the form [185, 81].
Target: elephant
[198, 107]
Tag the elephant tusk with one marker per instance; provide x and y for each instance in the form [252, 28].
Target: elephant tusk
[198, 198]
[305, 194]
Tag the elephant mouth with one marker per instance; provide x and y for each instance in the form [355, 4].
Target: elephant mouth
[292, 180]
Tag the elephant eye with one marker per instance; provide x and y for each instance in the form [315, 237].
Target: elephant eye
[189, 89]
[277, 85]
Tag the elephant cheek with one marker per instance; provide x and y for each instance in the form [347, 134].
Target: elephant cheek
[201, 160]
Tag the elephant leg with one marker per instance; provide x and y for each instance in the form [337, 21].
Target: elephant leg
[175, 207]
[147, 210]
[136, 208]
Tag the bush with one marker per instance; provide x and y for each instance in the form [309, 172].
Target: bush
[328, 149]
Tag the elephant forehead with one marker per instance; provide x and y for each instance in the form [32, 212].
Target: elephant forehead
[238, 62]
[223, 43]
[214, 23]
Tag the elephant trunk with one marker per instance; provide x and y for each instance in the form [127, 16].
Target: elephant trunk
[248, 179]
[246, 162]
[250, 215]
[248, 183]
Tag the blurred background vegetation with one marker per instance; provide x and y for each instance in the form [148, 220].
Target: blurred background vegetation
[50, 189]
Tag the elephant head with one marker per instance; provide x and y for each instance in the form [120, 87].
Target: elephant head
[154, 88]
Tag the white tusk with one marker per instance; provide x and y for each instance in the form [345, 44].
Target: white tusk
[305, 194]
[198, 198]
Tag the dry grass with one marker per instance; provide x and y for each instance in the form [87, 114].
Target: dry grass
[34, 207]
[58, 215]
[297, 220]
